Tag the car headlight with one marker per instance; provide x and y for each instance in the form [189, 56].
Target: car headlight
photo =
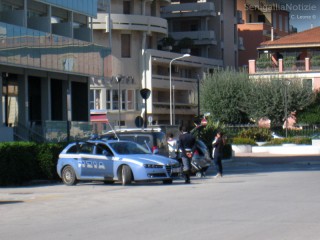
[152, 166]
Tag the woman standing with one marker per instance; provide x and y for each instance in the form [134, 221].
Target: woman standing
[218, 145]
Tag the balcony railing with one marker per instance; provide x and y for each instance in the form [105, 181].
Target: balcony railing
[199, 37]
[131, 22]
[188, 10]
[267, 66]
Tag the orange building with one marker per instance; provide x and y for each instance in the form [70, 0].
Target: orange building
[261, 22]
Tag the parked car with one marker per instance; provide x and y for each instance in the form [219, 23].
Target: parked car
[114, 160]
[155, 140]
[152, 138]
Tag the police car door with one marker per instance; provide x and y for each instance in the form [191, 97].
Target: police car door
[104, 158]
[86, 158]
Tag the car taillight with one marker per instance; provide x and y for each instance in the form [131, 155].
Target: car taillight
[155, 150]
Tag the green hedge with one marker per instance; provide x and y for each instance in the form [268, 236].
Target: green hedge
[21, 162]
[295, 140]
[256, 134]
[243, 141]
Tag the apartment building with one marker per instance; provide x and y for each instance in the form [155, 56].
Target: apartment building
[300, 58]
[137, 32]
[46, 59]
[262, 21]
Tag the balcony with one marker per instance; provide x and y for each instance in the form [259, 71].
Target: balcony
[268, 67]
[131, 22]
[180, 108]
[199, 37]
[189, 10]
[164, 57]
[160, 81]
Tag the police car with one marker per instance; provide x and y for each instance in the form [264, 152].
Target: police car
[114, 160]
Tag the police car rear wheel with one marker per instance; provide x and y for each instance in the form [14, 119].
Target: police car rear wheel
[126, 175]
[69, 176]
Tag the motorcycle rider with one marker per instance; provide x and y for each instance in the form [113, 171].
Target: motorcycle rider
[186, 141]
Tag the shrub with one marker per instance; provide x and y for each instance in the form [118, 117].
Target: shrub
[256, 134]
[315, 60]
[289, 61]
[168, 41]
[295, 140]
[263, 61]
[21, 162]
[243, 141]
[18, 163]
[47, 156]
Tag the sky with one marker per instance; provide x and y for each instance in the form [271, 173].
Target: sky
[304, 14]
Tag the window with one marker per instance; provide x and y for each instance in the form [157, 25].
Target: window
[286, 24]
[86, 148]
[280, 23]
[73, 149]
[95, 99]
[101, 147]
[274, 20]
[126, 100]
[115, 100]
[261, 18]
[130, 98]
[125, 45]
[126, 7]
[108, 99]
[123, 98]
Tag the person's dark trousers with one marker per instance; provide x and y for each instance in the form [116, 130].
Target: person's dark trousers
[186, 168]
[218, 163]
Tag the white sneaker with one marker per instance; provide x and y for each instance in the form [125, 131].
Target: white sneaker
[218, 175]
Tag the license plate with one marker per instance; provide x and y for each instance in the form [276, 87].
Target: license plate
[176, 170]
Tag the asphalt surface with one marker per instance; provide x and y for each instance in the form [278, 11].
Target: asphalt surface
[259, 197]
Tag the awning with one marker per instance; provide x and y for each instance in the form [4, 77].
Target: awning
[99, 118]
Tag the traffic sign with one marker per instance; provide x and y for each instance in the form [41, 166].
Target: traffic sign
[204, 122]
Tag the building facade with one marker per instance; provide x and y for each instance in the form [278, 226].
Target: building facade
[46, 59]
[299, 58]
[138, 32]
[262, 21]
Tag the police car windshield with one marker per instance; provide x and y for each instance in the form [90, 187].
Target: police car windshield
[128, 148]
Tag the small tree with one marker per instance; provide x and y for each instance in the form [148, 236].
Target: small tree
[222, 94]
[168, 42]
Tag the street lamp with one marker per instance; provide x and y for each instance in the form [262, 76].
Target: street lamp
[170, 79]
[286, 83]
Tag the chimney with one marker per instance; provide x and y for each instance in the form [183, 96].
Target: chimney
[271, 33]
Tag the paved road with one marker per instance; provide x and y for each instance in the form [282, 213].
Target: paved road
[258, 198]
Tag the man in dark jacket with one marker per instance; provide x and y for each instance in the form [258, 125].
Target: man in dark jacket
[186, 141]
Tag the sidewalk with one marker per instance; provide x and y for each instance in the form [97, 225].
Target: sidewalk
[267, 154]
